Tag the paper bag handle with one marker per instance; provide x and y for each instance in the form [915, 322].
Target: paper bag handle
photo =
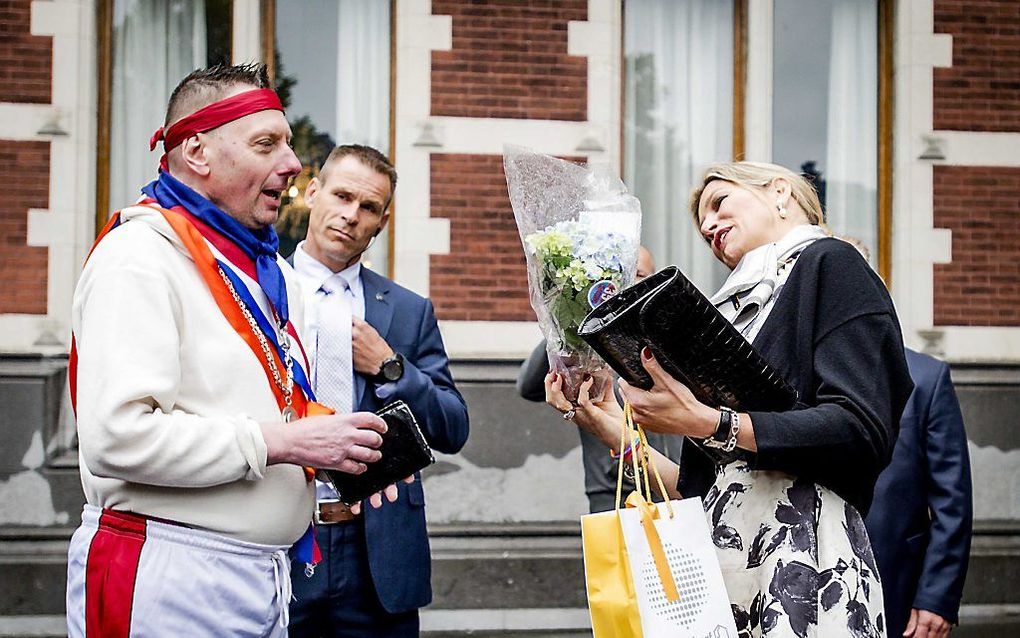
[642, 501]
[628, 427]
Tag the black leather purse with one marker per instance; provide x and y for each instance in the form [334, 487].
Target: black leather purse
[404, 452]
[691, 340]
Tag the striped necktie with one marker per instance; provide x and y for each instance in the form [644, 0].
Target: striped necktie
[334, 373]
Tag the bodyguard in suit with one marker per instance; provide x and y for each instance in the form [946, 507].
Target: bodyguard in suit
[374, 342]
[920, 519]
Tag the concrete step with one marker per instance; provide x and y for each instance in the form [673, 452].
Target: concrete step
[977, 621]
[523, 580]
[535, 622]
[33, 627]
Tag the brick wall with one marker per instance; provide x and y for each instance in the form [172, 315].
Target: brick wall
[26, 61]
[25, 168]
[509, 60]
[981, 286]
[484, 277]
[981, 91]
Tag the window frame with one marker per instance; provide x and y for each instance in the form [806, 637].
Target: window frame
[104, 104]
[267, 48]
[268, 35]
[885, 106]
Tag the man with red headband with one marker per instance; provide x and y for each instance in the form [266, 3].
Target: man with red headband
[189, 381]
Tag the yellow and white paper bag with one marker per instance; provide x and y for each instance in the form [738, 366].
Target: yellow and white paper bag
[701, 607]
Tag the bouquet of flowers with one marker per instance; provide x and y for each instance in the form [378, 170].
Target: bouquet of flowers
[580, 230]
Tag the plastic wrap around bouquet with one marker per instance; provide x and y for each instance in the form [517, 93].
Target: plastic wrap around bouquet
[580, 230]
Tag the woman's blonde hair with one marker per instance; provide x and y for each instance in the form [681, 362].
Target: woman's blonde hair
[761, 174]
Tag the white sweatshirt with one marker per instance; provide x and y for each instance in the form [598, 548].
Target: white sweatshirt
[170, 396]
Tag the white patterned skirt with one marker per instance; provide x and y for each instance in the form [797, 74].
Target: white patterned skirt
[795, 557]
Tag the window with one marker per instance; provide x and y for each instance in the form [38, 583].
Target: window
[829, 76]
[825, 106]
[331, 61]
[154, 44]
[333, 75]
[678, 120]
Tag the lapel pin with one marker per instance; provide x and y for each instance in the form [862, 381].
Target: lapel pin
[378, 296]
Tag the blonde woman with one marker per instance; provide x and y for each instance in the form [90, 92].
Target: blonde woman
[786, 505]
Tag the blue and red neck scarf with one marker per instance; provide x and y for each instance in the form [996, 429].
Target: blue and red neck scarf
[259, 246]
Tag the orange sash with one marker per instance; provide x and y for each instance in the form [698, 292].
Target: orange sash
[208, 268]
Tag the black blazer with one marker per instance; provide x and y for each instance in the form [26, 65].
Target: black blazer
[920, 521]
[833, 334]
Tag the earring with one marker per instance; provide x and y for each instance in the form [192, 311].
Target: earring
[782, 209]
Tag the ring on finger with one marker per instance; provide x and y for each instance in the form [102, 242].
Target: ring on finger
[569, 414]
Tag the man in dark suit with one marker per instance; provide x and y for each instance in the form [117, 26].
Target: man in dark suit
[373, 342]
[920, 520]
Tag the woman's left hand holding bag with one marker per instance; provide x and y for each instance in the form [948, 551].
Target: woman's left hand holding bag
[669, 406]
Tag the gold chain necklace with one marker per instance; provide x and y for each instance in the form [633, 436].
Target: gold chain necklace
[286, 387]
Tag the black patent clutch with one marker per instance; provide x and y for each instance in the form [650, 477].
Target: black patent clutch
[404, 452]
[691, 340]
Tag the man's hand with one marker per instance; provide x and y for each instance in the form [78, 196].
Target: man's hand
[342, 442]
[925, 624]
[368, 349]
[376, 500]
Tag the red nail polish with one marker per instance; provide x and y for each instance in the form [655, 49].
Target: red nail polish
[646, 353]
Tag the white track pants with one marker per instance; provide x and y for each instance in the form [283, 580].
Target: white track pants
[132, 576]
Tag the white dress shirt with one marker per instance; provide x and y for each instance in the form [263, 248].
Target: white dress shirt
[313, 275]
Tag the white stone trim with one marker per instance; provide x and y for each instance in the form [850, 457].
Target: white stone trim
[917, 50]
[917, 244]
[489, 339]
[934, 49]
[417, 234]
[20, 122]
[964, 148]
[600, 39]
[758, 96]
[979, 344]
[66, 227]
[486, 136]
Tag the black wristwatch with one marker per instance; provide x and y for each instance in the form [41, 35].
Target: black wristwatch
[725, 435]
[392, 369]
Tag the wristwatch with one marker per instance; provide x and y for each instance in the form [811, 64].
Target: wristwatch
[725, 436]
[391, 370]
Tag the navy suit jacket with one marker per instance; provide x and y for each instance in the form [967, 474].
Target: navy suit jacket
[398, 546]
[920, 520]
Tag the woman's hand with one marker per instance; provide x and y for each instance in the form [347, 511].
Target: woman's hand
[602, 416]
[669, 406]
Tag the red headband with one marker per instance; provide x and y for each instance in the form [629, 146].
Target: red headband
[213, 116]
